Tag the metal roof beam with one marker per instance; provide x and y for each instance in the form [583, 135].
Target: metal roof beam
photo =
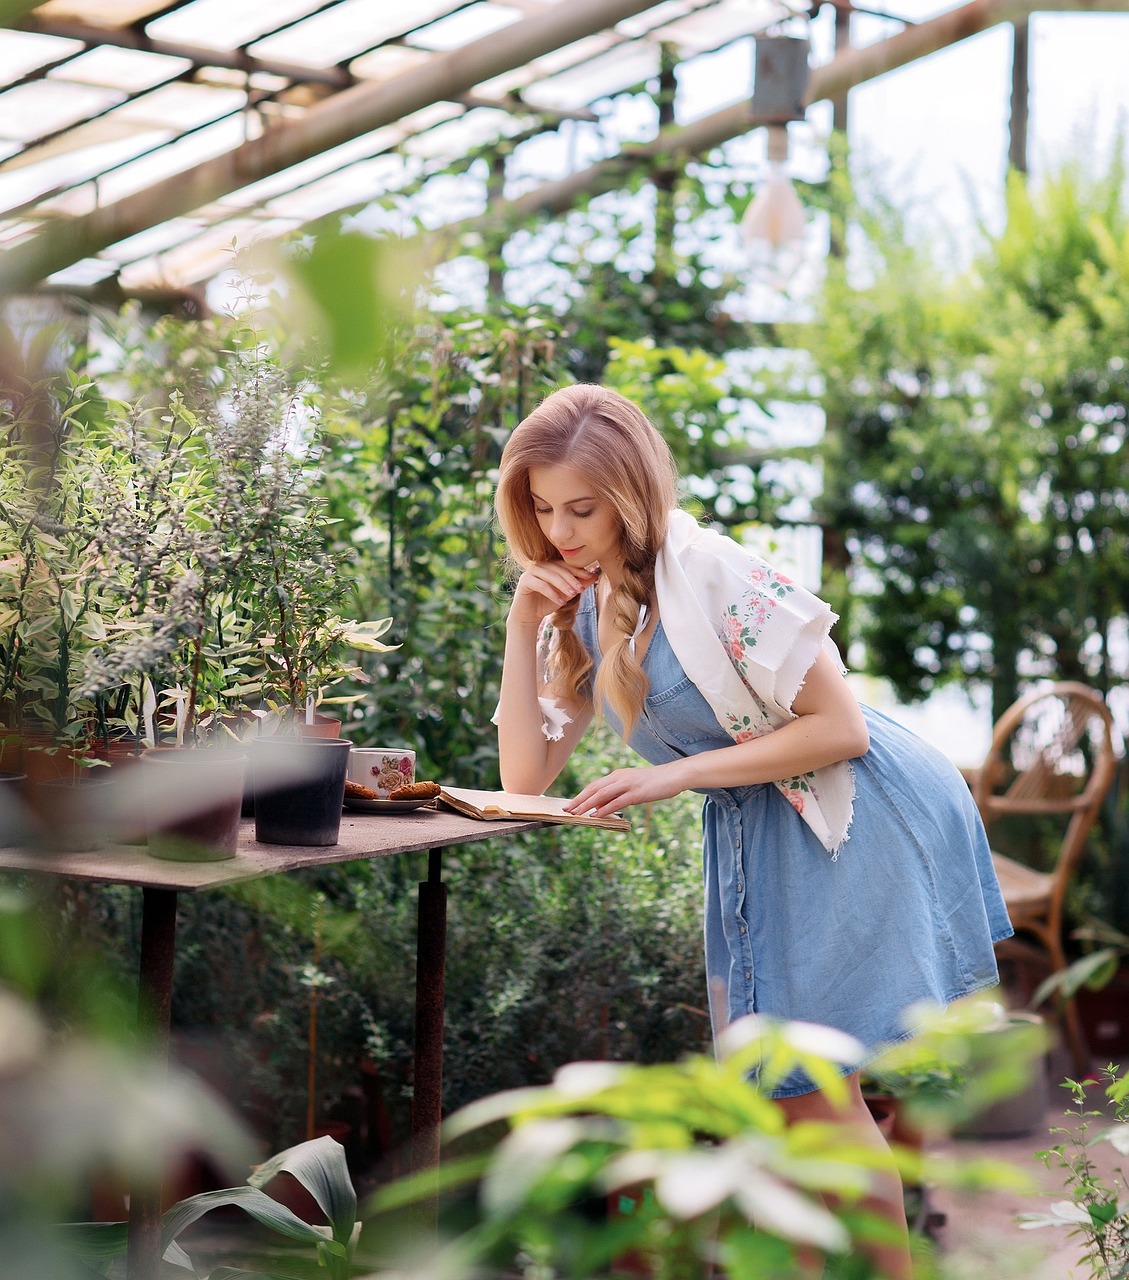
[346, 115]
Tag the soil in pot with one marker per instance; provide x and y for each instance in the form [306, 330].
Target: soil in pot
[299, 788]
[192, 799]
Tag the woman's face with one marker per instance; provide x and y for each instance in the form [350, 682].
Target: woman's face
[583, 527]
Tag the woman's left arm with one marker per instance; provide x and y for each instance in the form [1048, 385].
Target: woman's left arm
[829, 727]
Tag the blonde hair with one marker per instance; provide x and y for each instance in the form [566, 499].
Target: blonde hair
[605, 437]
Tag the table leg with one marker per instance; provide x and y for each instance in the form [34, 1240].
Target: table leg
[158, 940]
[431, 951]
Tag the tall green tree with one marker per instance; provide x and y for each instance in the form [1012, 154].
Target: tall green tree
[974, 456]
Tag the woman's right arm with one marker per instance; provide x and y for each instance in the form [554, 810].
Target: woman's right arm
[529, 762]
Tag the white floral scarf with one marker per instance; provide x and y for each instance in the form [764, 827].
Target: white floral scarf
[746, 636]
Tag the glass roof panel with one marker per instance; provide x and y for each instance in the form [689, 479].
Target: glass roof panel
[711, 28]
[370, 180]
[199, 258]
[82, 274]
[549, 64]
[387, 61]
[17, 229]
[640, 23]
[181, 106]
[429, 117]
[220, 24]
[154, 240]
[22, 52]
[347, 29]
[73, 203]
[613, 72]
[214, 140]
[106, 13]
[63, 168]
[339, 190]
[571, 54]
[31, 110]
[457, 137]
[509, 82]
[352, 152]
[464, 26]
[133, 70]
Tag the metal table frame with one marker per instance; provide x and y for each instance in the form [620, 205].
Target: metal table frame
[362, 836]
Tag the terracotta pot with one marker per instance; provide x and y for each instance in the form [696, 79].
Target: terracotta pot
[322, 726]
[884, 1109]
[192, 799]
[41, 757]
[117, 750]
[11, 752]
[1105, 1016]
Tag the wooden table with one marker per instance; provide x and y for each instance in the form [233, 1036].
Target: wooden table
[361, 836]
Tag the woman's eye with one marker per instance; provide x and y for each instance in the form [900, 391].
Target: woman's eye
[543, 511]
[582, 515]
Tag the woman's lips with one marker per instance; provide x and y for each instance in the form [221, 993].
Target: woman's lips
[570, 551]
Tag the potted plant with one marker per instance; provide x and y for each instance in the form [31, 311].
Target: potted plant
[221, 607]
[45, 591]
[1097, 1211]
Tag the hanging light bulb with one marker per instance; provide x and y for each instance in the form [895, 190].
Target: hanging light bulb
[774, 224]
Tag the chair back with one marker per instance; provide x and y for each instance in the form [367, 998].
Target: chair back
[1052, 752]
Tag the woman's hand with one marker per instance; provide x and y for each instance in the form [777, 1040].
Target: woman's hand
[543, 588]
[629, 786]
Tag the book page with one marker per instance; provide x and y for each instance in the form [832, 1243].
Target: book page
[509, 804]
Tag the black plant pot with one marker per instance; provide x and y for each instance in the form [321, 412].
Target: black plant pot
[299, 786]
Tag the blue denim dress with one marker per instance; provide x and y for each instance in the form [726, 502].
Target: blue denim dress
[908, 912]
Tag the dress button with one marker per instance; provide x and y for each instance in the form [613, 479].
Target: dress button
[742, 928]
[740, 887]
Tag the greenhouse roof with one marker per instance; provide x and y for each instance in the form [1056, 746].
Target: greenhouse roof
[139, 138]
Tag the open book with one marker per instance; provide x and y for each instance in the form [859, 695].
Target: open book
[497, 805]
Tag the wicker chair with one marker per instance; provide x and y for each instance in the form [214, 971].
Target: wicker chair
[1052, 755]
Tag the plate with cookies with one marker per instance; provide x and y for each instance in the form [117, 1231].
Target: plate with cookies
[413, 795]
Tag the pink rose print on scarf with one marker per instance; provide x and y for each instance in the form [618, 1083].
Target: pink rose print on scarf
[796, 790]
[732, 639]
[745, 729]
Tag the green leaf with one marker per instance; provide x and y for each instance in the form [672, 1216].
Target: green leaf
[1092, 971]
[319, 1165]
[95, 1240]
[253, 1201]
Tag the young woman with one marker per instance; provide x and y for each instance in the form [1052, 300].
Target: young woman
[847, 876]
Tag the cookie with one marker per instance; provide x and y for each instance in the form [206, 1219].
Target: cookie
[416, 791]
[355, 791]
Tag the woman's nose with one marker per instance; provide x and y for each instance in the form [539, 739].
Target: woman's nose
[559, 529]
